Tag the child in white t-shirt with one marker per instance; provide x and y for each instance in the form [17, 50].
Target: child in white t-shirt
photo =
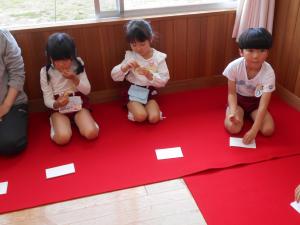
[145, 69]
[251, 82]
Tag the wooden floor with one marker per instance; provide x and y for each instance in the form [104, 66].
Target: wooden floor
[166, 203]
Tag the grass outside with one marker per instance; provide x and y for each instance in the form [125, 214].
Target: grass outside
[24, 12]
[28, 12]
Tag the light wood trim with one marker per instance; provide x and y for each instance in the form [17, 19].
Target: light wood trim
[288, 96]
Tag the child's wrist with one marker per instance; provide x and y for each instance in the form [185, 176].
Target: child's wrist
[232, 111]
[55, 105]
[75, 80]
[150, 76]
[7, 105]
[254, 129]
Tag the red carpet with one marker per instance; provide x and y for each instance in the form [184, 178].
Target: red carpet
[124, 154]
[259, 193]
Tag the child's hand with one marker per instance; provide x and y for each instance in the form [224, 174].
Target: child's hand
[3, 110]
[71, 76]
[68, 74]
[297, 193]
[131, 64]
[145, 72]
[61, 101]
[249, 137]
[233, 118]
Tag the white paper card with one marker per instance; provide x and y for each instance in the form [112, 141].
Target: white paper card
[238, 142]
[3, 188]
[296, 206]
[168, 153]
[60, 170]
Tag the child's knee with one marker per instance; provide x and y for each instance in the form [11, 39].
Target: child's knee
[154, 118]
[62, 138]
[91, 133]
[233, 129]
[140, 116]
[267, 130]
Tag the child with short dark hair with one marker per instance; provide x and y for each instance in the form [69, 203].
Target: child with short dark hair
[251, 81]
[145, 69]
[65, 88]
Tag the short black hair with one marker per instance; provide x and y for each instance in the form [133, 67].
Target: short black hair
[138, 30]
[255, 38]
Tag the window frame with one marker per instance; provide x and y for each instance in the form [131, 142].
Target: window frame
[121, 12]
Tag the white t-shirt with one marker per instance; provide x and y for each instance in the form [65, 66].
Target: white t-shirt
[265, 78]
[156, 64]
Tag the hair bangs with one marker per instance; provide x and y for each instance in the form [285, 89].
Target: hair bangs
[61, 46]
[136, 35]
[60, 53]
[255, 38]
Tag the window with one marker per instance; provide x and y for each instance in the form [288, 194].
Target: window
[148, 7]
[25, 12]
[33, 12]
[145, 4]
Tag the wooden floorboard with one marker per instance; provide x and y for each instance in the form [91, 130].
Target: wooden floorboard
[165, 203]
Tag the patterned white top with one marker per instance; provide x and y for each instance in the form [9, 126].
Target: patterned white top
[58, 84]
[156, 64]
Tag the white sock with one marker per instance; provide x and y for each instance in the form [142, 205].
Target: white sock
[161, 116]
[130, 116]
[52, 133]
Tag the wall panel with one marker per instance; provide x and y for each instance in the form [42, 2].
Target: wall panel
[285, 54]
[198, 45]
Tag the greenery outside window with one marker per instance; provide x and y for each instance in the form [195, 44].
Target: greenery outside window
[39, 12]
